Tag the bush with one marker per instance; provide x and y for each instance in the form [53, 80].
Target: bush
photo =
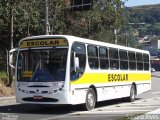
[5, 91]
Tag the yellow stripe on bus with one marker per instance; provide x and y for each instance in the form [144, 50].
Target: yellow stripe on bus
[92, 78]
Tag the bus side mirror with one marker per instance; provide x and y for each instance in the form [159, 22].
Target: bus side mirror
[76, 63]
[13, 57]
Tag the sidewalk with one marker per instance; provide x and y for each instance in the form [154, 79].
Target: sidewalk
[153, 115]
[7, 99]
[157, 111]
[156, 74]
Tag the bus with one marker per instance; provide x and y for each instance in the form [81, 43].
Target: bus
[63, 69]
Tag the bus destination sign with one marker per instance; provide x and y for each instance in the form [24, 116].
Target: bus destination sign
[43, 43]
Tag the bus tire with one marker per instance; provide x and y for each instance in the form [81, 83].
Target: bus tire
[132, 96]
[90, 100]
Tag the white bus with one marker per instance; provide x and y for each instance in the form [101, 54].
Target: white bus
[62, 69]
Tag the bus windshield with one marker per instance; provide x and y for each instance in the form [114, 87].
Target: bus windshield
[42, 65]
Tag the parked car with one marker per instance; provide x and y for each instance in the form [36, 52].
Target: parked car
[153, 70]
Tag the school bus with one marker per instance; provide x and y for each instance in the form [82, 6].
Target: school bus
[63, 69]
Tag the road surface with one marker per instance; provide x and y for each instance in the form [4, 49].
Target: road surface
[108, 110]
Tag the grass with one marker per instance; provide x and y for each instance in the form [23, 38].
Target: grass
[3, 75]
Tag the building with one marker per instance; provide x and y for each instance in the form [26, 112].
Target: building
[153, 46]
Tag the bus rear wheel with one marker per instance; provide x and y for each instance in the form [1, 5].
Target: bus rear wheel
[132, 96]
[90, 101]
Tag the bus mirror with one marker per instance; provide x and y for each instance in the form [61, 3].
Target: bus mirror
[13, 57]
[76, 63]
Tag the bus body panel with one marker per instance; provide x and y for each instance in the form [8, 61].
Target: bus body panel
[110, 90]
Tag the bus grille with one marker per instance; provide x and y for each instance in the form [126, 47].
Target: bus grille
[31, 99]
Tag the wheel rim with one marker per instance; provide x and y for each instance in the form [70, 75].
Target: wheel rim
[90, 100]
[132, 94]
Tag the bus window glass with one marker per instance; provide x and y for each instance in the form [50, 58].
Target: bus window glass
[145, 57]
[103, 56]
[139, 61]
[123, 60]
[103, 52]
[139, 57]
[113, 53]
[123, 55]
[93, 57]
[42, 65]
[78, 50]
[146, 61]
[114, 59]
[132, 60]
[146, 66]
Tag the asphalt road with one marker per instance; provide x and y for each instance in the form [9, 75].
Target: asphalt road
[108, 110]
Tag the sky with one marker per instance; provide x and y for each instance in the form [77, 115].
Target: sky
[131, 3]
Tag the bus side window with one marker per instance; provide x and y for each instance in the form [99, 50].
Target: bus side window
[132, 60]
[146, 62]
[78, 52]
[93, 57]
[103, 56]
[123, 59]
[139, 61]
[114, 58]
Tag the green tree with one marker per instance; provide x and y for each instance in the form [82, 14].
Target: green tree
[98, 23]
[20, 18]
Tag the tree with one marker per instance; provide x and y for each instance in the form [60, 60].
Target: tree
[13, 14]
[98, 23]
[21, 18]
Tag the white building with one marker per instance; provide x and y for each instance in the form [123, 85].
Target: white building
[155, 44]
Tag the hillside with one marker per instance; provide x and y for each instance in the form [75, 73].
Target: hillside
[148, 14]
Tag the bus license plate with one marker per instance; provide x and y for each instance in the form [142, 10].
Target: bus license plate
[37, 97]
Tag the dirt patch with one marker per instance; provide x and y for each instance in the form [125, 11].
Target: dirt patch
[6, 91]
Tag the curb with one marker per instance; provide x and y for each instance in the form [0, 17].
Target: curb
[7, 99]
[155, 76]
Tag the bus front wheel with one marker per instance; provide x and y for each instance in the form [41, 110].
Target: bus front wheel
[90, 99]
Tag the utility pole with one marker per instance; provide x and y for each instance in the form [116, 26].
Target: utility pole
[126, 38]
[46, 18]
[115, 35]
[9, 69]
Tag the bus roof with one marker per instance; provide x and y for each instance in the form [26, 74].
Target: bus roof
[85, 40]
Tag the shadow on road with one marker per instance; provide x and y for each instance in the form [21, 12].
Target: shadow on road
[113, 102]
[65, 109]
[36, 109]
